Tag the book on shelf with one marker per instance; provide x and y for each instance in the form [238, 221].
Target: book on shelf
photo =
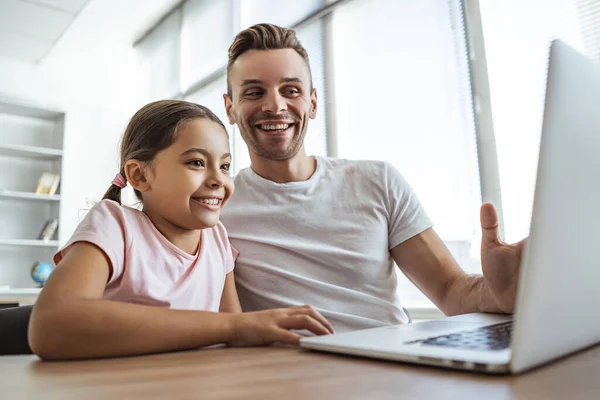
[48, 230]
[48, 183]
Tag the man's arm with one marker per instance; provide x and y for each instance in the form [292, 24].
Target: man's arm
[427, 262]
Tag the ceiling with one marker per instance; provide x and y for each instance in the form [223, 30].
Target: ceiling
[29, 29]
[38, 30]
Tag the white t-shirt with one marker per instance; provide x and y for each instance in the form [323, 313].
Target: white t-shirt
[325, 241]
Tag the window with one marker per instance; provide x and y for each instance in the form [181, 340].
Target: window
[517, 37]
[273, 12]
[158, 57]
[400, 98]
[211, 96]
[206, 33]
[311, 38]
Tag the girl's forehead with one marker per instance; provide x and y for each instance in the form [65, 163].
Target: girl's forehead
[204, 133]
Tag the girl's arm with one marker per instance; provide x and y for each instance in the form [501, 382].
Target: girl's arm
[70, 319]
[230, 303]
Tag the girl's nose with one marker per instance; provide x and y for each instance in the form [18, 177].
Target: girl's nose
[216, 180]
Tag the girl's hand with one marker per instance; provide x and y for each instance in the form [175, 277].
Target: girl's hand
[269, 326]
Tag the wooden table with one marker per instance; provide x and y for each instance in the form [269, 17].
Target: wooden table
[284, 373]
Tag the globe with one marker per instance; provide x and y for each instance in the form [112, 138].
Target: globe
[41, 271]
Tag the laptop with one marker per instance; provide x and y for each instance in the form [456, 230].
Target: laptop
[559, 286]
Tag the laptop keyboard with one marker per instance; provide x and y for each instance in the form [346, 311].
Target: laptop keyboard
[492, 337]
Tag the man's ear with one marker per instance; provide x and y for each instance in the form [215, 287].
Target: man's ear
[313, 104]
[228, 105]
[135, 171]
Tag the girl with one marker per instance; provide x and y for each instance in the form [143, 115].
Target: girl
[132, 282]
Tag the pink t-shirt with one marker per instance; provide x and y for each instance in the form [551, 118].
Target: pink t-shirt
[150, 270]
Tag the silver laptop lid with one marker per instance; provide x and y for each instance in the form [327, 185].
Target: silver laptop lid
[559, 292]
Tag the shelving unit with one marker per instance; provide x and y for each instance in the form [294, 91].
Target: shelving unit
[29, 242]
[28, 196]
[31, 143]
[19, 296]
[29, 151]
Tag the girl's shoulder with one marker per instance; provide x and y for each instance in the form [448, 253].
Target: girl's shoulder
[219, 229]
[107, 214]
[111, 207]
[220, 243]
[218, 233]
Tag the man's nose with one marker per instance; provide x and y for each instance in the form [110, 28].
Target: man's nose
[274, 103]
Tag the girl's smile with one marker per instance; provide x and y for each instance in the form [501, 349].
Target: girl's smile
[210, 203]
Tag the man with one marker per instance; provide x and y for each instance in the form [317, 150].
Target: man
[324, 231]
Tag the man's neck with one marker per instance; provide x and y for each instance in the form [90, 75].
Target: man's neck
[297, 169]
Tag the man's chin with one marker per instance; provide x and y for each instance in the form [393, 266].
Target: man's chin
[275, 151]
[276, 155]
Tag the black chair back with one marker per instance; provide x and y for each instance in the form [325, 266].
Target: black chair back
[13, 330]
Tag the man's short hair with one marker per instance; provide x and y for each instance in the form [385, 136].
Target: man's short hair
[264, 37]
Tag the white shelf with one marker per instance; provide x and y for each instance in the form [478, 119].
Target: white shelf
[29, 151]
[28, 195]
[31, 243]
[20, 296]
[15, 107]
[20, 292]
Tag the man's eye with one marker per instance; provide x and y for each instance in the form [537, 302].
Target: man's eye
[226, 167]
[196, 163]
[292, 91]
[253, 93]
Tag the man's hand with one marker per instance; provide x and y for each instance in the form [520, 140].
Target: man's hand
[499, 261]
[265, 327]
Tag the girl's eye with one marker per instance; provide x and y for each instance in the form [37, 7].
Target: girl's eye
[226, 167]
[196, 163]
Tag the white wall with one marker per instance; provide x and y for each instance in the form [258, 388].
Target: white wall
[97, 91]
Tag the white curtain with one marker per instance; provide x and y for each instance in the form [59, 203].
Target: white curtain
[517, 35]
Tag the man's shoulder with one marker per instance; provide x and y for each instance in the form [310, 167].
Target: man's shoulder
[361, 167]
[244, 177]
[341, 165]
[216, 234]
[372, 175]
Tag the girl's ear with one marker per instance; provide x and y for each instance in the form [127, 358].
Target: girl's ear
[135, 171]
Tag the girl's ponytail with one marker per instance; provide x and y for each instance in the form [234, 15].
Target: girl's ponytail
[114, 191]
